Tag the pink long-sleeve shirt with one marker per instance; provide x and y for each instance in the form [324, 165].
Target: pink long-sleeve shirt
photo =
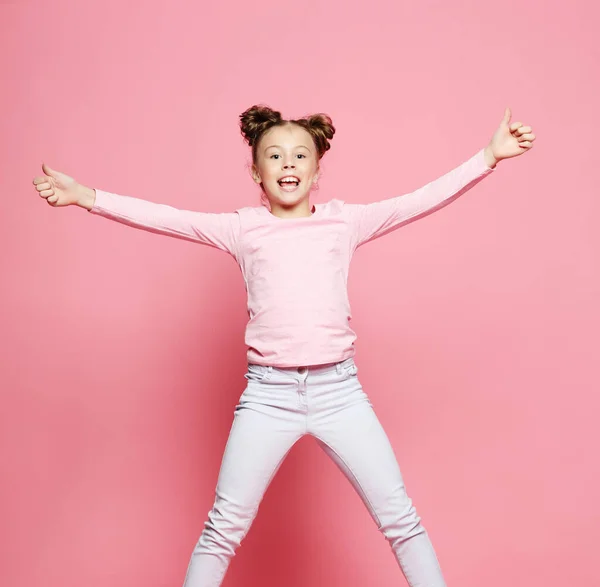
[296, 269]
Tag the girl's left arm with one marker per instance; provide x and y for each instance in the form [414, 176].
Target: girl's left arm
[378, 218]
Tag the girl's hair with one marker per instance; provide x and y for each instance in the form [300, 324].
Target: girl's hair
[258, 119]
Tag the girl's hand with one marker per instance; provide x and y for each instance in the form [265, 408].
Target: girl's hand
[59, 189]
[510, 140]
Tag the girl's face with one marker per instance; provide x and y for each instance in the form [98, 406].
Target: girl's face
[286, 152]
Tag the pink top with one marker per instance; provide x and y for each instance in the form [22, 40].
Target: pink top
[296, 270]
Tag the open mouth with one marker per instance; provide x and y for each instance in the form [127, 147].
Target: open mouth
[289, 183]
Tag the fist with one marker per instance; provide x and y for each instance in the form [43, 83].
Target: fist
[57, 188]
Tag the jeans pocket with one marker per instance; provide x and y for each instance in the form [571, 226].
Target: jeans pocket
[257, 372]
[350, 367]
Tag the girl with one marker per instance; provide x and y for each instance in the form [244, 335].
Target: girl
[301, 376]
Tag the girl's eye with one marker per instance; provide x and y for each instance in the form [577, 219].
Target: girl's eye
[275, 155]
[301, 155]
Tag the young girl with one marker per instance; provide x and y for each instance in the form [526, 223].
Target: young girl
[301, 377]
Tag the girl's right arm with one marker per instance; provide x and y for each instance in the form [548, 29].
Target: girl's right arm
[219, 230]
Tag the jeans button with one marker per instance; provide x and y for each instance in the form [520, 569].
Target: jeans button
[301, 369]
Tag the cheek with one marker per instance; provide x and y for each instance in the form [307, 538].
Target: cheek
[268, 172]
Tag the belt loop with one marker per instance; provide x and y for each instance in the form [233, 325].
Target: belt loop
[338, 368]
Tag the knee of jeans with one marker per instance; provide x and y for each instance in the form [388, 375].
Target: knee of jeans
[402, 521]
[219, 538]
[226, 527]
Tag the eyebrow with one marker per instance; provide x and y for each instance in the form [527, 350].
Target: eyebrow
[280, 147]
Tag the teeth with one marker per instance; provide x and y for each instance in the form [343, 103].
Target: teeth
[289, 180]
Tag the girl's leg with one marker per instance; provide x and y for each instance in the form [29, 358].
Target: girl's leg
[355, 440]
[266, 425]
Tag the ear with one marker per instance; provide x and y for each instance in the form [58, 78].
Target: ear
[255, 175]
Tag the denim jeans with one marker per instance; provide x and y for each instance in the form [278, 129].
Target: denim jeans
[278, 407]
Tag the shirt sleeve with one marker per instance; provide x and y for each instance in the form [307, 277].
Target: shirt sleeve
[370, 221]
[218, 230]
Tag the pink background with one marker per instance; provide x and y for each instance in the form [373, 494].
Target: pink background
[122, 351]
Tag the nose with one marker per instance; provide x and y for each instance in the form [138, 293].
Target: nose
[288, 162]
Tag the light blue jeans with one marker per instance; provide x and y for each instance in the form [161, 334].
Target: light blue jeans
[278, 407]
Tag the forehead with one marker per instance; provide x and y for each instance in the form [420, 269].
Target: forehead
[289, 136]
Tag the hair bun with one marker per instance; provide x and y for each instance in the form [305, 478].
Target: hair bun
[321, 128]
[255, 120]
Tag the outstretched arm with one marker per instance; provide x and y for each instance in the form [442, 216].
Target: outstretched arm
[373, 220]
[376, 219]
[217, 230]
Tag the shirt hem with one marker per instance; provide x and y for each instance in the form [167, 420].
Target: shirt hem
[318, 363]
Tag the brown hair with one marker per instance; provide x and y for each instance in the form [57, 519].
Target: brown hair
[258, 119]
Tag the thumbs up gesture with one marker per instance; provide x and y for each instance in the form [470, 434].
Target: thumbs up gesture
[59, 189]
[510, 139]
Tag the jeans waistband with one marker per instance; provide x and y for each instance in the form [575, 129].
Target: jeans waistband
[338, 367]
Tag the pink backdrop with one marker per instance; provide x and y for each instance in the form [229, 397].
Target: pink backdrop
[122, 351]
